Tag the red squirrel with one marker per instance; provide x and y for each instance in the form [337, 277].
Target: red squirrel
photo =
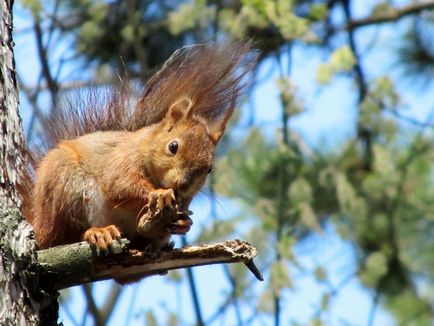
[134, 171]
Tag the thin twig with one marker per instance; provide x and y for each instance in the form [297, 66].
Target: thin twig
[131, 305]
[193, 291]
[375, 300]
[91, 305]
[423, 124]
[226, 270]
[364, 133]
[284, 181]
[390, 14]
[112, 299]
[69, 314]
[43, 59]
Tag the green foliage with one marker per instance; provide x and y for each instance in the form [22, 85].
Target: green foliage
[280, 13]
[374, 269]
[173, 320]
[280, 278]
[124, 33]
[284, 248]
[258, 176]
[341, 60]
[410, 309]
[351, 204]
[33, 5]
[381, 8]
[174, 276]
[316, 322]
[218, 231]
[416, 54]
[238, 24]
[382, 97]
[189, 16]
[150, 319]
[318, 11]
[320, 273]
[265, 304]
[287, 96]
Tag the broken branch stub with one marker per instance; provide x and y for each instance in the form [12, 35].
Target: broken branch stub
[79, 263]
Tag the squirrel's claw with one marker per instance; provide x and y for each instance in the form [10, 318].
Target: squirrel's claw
[161, 197]
[102, 237]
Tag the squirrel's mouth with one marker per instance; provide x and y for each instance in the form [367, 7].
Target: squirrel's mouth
[176, 193]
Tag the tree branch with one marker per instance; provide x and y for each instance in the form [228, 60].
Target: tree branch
[91, 306]
[365, 134]
[193, 291]
[391, 14]
[53, 87]
[78, 263]
[111, 301]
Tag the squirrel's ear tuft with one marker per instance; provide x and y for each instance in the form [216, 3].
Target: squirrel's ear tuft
[180, 109]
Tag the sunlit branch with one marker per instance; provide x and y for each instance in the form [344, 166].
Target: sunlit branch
[390, 14]
[78, 263]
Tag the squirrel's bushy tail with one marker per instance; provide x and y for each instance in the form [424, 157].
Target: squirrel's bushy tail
[211, 75]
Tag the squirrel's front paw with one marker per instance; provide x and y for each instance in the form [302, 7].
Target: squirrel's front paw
[102, 237]
[161, 197]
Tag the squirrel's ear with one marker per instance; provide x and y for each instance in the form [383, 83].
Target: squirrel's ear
[216, 131]
[180, 109]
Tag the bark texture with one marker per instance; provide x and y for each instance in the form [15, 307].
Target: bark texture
[74, 264]
[21, 302]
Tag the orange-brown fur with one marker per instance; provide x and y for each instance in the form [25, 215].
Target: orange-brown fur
[108, 169]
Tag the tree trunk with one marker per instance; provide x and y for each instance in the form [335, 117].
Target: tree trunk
[21, 300]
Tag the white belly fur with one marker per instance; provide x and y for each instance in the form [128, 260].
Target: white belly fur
[101, 214]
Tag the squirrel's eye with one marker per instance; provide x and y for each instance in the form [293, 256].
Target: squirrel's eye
[173, 147]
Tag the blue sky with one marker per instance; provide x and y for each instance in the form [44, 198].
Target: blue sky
[328, 120]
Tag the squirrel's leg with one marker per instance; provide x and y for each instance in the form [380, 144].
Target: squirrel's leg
[58, 208]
